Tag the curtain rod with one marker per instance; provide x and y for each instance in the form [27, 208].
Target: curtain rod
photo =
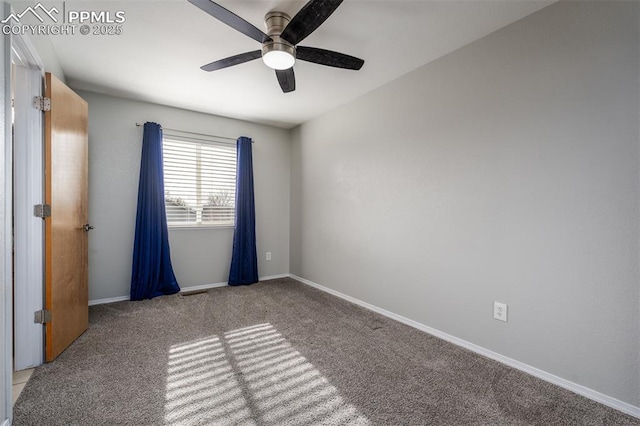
[194, 133]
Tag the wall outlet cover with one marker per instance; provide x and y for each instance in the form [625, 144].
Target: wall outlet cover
[500, 311]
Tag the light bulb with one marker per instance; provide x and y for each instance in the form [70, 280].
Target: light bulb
[278, 59]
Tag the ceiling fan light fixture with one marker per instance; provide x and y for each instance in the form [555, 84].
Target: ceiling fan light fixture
[278, 60]
[279, 51]
[278, 54]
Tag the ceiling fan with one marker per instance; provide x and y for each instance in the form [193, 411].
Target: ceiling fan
[280, 44]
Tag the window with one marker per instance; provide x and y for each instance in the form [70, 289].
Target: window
[199, 181]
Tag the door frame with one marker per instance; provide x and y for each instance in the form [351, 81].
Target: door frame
[28, 164]
[6, 245]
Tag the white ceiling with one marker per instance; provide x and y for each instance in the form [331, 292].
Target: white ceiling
[164, 43]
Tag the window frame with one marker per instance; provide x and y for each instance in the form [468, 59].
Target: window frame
[196, 138]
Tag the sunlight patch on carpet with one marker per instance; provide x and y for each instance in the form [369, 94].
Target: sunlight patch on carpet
[249, 376]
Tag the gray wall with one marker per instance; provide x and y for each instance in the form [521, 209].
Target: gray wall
[505, 171]
[199, 256]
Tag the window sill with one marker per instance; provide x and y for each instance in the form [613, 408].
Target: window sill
[180, 227]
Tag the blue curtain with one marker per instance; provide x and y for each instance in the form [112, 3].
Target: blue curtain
[244, 261]
[152, 273]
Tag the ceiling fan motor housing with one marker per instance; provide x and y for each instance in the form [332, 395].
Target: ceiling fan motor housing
[276, 22]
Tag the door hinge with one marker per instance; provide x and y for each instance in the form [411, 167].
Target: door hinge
[42, 317]
[42, 103]
[42, 210]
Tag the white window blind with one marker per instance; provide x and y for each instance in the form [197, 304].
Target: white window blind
[199, 182]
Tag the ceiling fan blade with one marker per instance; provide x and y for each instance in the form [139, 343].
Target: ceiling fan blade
[310, 17]
[231, 19]
[232, 60]
[287, 80]
[328, 58]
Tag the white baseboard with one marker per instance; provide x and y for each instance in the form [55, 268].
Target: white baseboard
[183, 289]
[224, 284]
[274, 277]
[202, 287]
[536, 372]
[108, 300]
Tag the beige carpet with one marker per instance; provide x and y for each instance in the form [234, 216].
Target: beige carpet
[281, 353]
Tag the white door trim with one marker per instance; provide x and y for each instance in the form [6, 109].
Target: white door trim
[6, 212]
[28, 191]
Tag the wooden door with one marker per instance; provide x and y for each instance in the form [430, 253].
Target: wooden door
[66, 239]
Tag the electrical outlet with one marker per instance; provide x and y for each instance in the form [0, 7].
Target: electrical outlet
[500, 311]
[268, 255]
